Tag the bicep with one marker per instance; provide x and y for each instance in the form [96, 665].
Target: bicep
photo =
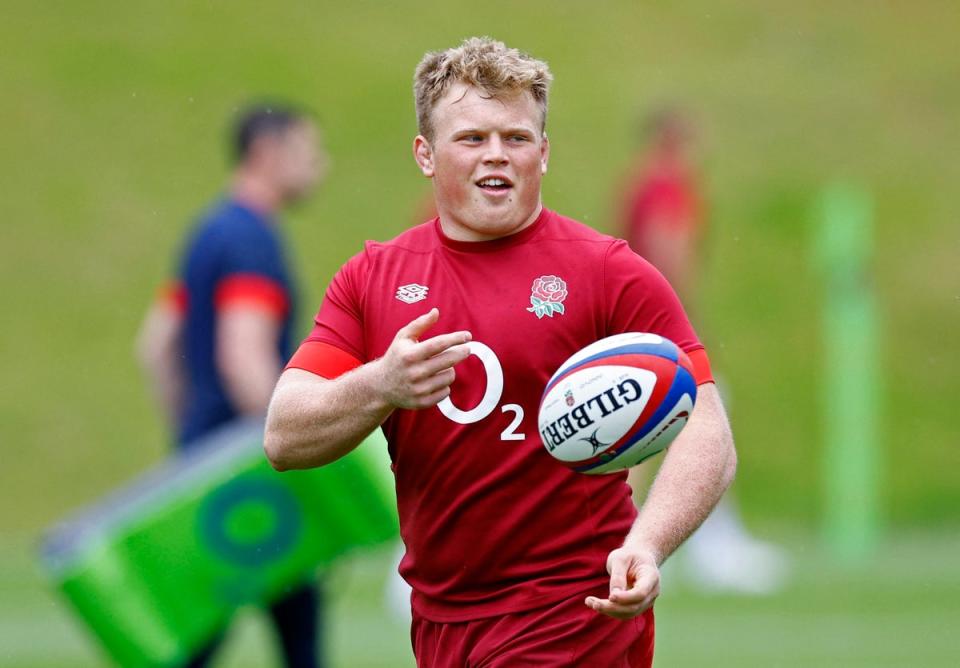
[293, 377]
[707, 438]
[703, 451]
[293, 390]
[708, 411]
[246, 336]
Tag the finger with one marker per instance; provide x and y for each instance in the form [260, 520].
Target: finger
[420, 364]
[435, 398]
[437, 344]
[645, 585]
[413, 329]
[611, 609]
[436, 382]
[618, 575]
[445, 360]
[604, 606]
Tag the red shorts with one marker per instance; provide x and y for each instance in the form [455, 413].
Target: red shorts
[565, 634]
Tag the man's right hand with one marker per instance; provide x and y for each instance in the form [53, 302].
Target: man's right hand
[418, 374]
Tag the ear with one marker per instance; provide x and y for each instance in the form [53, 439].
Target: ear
[423, 154]
[262, 150]
[544, 154]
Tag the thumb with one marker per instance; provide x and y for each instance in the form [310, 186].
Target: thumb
[647, 582]
[419, 325]
[618, 573]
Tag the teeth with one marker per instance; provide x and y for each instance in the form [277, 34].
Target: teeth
[493, 182]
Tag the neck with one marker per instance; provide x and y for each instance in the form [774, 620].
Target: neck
[480, 232]
[255, 192]
[671, 158]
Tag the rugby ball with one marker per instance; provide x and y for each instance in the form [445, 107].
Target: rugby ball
[617, 402]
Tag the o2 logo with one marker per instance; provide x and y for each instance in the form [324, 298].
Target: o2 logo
[491, 397]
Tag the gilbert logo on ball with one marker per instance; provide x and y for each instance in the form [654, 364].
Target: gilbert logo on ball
[617, 402]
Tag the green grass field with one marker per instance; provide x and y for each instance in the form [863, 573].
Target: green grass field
[114, 118]
[901, 609]
[112, 129]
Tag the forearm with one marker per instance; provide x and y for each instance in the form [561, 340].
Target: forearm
[159, 351]
[312, 422]
[167, 386]
[697, 469]
[247, 358]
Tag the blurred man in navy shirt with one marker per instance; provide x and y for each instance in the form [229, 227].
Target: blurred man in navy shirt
[215, 341]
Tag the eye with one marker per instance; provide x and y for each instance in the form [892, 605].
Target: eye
[519, 139]
[473, 139]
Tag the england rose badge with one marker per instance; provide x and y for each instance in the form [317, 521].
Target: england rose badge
[547, 295]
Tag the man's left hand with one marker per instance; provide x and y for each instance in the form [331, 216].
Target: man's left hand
[634, 584]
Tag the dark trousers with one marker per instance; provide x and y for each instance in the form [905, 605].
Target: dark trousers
[297, 619]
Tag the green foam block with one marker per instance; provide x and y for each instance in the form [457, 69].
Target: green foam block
[157, 568]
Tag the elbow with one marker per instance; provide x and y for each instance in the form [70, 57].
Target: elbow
[286, 451]
[276, 451]
[279, 440]
[284, 455]
[730, 469]
[150, 360]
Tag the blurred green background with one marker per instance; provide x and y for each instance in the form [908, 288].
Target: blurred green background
[113, 122]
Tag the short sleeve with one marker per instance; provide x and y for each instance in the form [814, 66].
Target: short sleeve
[639, 299]
[174, 295]
[339, 322]
[252, 272]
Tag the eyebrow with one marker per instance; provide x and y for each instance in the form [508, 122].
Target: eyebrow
[508, 131]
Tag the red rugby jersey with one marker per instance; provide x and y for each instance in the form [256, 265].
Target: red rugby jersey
[491, 522]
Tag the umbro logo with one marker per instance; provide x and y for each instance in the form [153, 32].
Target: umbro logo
[412, 293]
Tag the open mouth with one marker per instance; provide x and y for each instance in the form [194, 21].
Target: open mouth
[495, 184]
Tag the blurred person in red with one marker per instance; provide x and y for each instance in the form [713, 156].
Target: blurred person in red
[662, 215]
[214, 343]
[663, 218]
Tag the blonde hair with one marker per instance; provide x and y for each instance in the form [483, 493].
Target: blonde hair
[484, 63]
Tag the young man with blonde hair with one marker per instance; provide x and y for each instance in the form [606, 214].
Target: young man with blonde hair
[437, 336]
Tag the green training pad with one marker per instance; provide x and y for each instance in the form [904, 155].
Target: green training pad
[157, 568]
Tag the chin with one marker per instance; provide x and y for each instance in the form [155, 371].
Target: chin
[497, 222]
[501, 230]
[490, 222]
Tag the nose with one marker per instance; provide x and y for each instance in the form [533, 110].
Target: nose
[495, 153]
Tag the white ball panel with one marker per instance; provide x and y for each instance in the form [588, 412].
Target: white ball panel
[593, 408]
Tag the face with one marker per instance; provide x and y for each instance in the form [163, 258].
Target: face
[298, 160]
[675, 136]
[487, 159]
